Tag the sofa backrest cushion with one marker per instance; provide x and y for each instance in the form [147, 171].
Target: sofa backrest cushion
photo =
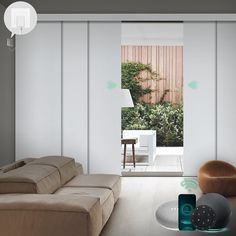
[65, 166]
[30, 179]
[15, 165]
[44, 175]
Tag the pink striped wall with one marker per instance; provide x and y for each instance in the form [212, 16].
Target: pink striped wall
[165, 60]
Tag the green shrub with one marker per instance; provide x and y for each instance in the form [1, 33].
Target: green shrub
[165, 118]
[132, 118]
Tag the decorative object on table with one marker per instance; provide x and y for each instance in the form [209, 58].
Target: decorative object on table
[218, 177]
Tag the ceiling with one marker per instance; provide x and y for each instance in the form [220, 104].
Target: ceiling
[131, 6]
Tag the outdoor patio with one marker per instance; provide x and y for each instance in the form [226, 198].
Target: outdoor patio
[168, 162]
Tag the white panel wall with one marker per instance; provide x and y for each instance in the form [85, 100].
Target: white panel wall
[75, 92]
[199, 103]
[104, 104]
[38, 92]
[226, 85]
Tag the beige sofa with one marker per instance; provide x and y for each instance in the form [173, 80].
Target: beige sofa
[50, 196]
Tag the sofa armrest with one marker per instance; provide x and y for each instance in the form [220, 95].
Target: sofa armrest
[79, 168]
[49, 214]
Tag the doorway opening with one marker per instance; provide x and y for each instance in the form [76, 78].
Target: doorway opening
[152, 72]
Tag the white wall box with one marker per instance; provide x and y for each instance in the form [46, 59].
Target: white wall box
[199, 103]
[226, 84]
[38, 92]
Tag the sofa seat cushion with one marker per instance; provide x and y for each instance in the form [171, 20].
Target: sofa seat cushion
[30, 179]
[101, 193]
[104, 195]
[112, 182]
[65, 165]
[49, 214]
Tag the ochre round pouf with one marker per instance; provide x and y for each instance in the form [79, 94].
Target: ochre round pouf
[218, 177]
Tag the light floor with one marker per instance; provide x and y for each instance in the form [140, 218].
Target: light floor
[134, 213]
[168, 162]
[179, 151]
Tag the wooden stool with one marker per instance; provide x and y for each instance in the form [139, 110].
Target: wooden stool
[131, 141]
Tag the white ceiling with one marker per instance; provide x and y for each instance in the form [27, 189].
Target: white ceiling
[152, 34]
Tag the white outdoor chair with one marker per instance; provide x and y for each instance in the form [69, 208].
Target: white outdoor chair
[146, 144]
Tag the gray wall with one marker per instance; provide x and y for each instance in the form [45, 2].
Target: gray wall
[131, 6]
[7, 149]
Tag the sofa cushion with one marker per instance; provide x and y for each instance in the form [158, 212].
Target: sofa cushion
[15, 165]
[49, 214]
[104, 195]
[43, 175]
[112, 182]
[101, 193]
[65, 165]
[30, 179]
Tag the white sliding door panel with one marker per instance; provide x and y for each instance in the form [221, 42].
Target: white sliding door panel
[38, 92]
[75, 92]
[199, 95]
[104, 103]
[226, 84]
